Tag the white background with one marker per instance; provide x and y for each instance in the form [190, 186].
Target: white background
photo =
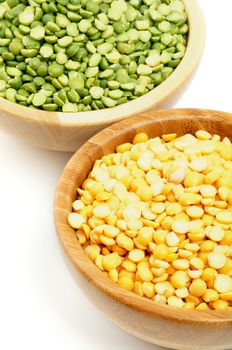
[41, 307]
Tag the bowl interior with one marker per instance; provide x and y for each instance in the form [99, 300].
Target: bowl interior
[154, 124]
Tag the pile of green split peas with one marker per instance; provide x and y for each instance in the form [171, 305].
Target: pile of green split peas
[83, 55]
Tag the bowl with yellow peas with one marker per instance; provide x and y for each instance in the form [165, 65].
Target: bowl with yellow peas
[143, 211]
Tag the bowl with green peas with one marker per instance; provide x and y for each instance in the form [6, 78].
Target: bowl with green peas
[69, 68]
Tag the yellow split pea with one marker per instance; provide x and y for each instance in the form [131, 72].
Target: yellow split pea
[156, 217]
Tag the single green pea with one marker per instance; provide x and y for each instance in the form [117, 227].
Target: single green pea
[29, 52]
[57, 85]
[52, 27]
[73, 7]
[72, 29]
[90, 47]
[84, 25]
[9, 62]
[96, 92]
[23, 92]
[21, 66]
[43, 70]
[108, 74]
[108, 102]
[37, 33]
[96, 36]
[98, 41]
[62, 95]
[75, 2]
[63, 80]
[12, 3]
[122, 76]
[122, 100]
[39, 81]
[113, 84]
[104, 7]
[91, 72]
[84, 13]
[99, 104]
[48, 87]
[93, 7]
[125, 48]
[65, 41]
[103, 64]
[8, 56]
[55, 69]
[73, 96]
[38, 14]
[34, 63]
[73, 16]
[90, 82]
[50, 107]
[8, 34]
[10, 94]
[72, 65]
[46, 50]
[48, 17]
[94, 60]
[184, 29]
[27, 16]
[2, 85]
[63, 2]
[31, 71]
[92, 31]
[115, 94]
[61, 58]
[166, 71]
[27, 78]
[21, 98]
[16, 46]
[72, 50]
[113, 57]
[87, 100]
[39, 99]
[4, 42]
[15, 11]
[30, 87]
[93, 105]
[52, 7]
[62, 9]
[69, 107]
[164, 26]
[82, 92]
[83, 67]
[16, 83]
[76, 83]
[57, 100]
[14, 72]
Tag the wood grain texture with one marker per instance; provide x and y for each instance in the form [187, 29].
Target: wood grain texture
[67, 131]
[218, 324]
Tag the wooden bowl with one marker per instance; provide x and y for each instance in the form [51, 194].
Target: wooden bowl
[67, 131]
[153, 322]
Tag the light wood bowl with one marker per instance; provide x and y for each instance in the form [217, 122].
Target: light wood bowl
[153, 322]
[67, 131]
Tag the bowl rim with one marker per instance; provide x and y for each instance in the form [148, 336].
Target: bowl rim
[156, 96]
[75, 252]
